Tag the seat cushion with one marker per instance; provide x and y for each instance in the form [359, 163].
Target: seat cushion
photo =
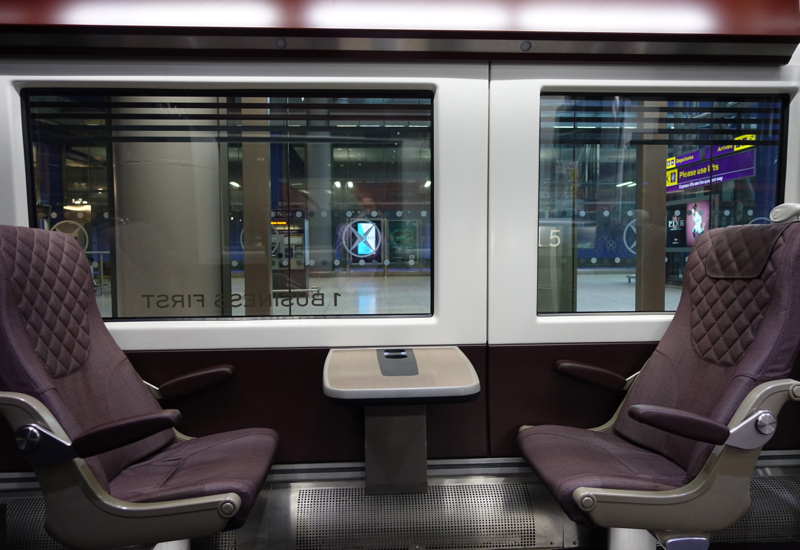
[231, 462]
[566, 458]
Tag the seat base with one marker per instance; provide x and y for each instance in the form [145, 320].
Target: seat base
[683, 541]
[566, 458]
[231, 462]
[630, 539]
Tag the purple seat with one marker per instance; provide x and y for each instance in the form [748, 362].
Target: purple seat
[112, 438]
[210, 465]
[566, 458]
[732, 339]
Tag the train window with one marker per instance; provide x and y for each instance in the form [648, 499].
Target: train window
[628, 183]
[232, 204]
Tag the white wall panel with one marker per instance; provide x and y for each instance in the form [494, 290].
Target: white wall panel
[13, 190]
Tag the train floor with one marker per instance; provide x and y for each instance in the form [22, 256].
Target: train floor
[470, 504]
[501, 511]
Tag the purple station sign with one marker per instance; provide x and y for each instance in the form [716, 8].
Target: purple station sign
[690, 172]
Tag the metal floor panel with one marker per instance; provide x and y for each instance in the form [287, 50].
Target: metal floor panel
[455, 514]
[446, 517]
[774, 513]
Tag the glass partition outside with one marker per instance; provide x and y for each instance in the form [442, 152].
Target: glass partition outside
[232, 204]
[628, 183]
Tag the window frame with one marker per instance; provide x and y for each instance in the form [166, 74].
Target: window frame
[780, 181]
[461, 172]
[266, 91]
[514, 185]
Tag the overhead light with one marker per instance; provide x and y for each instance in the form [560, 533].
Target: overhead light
[337, 184]
[350, 184]
[427, 183]
[626, 184]
[632, 184]
[233, 183]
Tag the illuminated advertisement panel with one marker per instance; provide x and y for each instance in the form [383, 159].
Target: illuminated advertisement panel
[697, 219]
[368, 244]
[676, 228]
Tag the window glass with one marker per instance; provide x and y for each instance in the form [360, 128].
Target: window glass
[218, 204]
[628, 183]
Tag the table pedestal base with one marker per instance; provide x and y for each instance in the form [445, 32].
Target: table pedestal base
[396, 449]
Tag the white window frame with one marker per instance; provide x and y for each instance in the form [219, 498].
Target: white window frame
[514, 184]
[461, 103]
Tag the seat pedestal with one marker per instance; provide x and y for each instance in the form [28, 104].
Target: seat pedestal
[630, 539]
[672, 540]
[174, 545]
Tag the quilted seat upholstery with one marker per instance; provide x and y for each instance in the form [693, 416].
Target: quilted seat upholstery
[51, 296]
[727, 312]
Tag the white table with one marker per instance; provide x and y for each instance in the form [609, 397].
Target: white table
[394, 385]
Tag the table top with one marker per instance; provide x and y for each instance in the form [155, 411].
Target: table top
[356, 374]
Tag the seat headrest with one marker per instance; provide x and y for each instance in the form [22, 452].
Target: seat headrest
[742, 251]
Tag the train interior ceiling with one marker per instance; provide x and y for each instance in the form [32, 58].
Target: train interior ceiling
[435, 275]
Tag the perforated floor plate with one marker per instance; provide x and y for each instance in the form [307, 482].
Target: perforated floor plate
[25, 525]
[447, 517]
[774, 513]
[227, 540]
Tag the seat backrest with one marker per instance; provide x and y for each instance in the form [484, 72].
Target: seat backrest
[736, 326]
[55, 347]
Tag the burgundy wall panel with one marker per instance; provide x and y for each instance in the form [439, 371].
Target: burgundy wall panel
[282, 389]
[459, 430]
[524, 387]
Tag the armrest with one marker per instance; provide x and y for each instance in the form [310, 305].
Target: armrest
[118, 433]
[195, 381]
[592, 375]
[682, 423]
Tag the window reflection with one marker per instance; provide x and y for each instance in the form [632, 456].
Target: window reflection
[204, 205]
[627, 183]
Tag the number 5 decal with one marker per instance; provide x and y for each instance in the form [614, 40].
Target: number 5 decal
[554, 235]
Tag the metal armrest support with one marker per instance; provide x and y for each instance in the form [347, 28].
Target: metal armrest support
[192, 382]
[754, 431]
[593, 375]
